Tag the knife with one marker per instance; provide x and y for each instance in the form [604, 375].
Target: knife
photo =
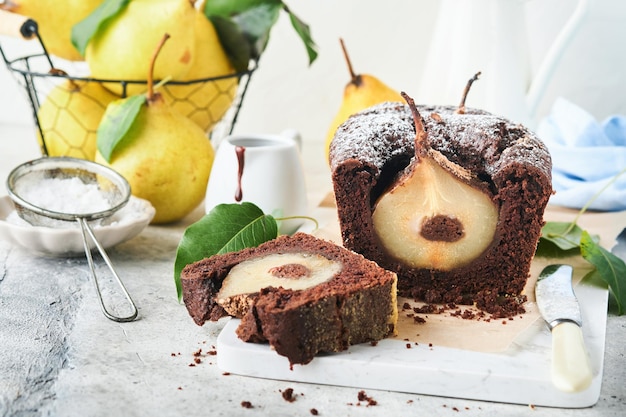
[571, 368]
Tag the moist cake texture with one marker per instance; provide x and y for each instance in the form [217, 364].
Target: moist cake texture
[355, 304]
[502, 159]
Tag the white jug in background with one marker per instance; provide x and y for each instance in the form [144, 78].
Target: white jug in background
[491, 36]
[262, 169]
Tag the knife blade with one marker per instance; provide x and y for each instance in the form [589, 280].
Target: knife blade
[558, 305]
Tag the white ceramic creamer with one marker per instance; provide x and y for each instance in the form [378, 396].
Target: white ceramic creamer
[262, 169]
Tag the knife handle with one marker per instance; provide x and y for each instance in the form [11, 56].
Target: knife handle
[571, 368]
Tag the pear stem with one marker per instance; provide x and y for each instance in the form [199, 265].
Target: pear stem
[461, 109]
[420, 131]
[150, 94]
[353, 76]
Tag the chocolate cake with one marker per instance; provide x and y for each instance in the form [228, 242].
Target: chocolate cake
[466, 230]
[301, 294]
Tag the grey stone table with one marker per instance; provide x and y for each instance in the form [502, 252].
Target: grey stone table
[59, 356]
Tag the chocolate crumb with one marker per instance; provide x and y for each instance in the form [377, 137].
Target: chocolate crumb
[225, 373]
[197, 352]
[197, 361]
[362, 396]
[246, 404]
[212, 352]
[288, 395]
[314, 411]
[408, 346]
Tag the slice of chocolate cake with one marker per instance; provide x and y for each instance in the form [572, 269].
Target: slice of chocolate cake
[301, 294]
[451, 201]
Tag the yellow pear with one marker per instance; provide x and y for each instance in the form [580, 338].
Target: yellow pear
[120, 49]
[55, 19]
[204, 102]
[361, 92]
[70, 115]
[165, 157]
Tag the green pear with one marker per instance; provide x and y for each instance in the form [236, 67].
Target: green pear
[204, 102]
[165, 157]
[361, 92]
[55, 19]
[120, 49]
[69, 118]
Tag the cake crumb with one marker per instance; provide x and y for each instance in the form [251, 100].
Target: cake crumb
[362, 396]
[531, 406]
[246, 404]
[225, 373]
[288, 395]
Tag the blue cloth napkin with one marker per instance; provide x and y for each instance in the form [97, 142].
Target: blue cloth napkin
[586, 156]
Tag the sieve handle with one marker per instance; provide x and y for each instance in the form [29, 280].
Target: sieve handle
[16, 25]
[86, 230]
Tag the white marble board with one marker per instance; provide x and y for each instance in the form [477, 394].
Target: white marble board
[520, 374]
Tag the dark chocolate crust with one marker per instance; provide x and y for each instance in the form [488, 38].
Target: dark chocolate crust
[507, 161]
[354, 306]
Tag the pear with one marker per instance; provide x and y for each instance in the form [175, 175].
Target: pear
[165, 157]
[204, 102]
[118, 49]
[55, 19]
[69, 118]
[361, 92]
[431, 217]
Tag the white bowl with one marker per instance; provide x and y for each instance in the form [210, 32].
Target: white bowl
[123, 225]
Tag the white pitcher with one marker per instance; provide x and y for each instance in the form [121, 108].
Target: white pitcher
[262, 169]
[491, 36]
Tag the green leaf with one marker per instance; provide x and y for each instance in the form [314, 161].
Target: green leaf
[304, 32]
[229, 8]
[256, 24]
[249, 22]
[226, 228]
[609, 267]
[116, 121]
[233, 41]
[565, 235]
[83, 31]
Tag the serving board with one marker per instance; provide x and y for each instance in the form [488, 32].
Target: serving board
[481, 359]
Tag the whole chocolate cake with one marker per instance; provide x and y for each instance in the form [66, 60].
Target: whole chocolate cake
[301, 294]
[454, 207]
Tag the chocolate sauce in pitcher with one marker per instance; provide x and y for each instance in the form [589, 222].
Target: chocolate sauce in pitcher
[240, 151]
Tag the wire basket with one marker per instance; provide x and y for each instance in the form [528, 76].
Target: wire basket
[213, 103]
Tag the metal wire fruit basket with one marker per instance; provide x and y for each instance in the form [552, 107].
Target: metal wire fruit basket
[214, 103]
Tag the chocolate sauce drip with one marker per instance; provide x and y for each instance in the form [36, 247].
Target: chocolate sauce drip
[240, 151]
[441, 228]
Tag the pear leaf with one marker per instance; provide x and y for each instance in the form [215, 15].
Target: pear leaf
[83, 31]
[304, 32]
[233, 41]
[256, 24]
[229, 8]
[226, 228]
[565, 235]
[116, 121]
[610, 268]
[254, 19]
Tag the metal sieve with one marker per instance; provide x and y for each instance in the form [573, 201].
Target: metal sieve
[112, 187]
